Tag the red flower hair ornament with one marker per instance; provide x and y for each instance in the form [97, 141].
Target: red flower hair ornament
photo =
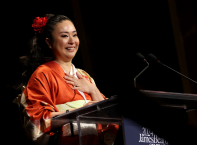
[39, 24]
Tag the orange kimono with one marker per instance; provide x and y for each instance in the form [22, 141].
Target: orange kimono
[46, 88]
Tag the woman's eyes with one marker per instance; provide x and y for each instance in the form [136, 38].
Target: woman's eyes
[67, 35]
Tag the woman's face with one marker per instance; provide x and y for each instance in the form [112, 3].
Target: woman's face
[65, 41]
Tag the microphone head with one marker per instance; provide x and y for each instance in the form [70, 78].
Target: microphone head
[153, 57]
[140, 56]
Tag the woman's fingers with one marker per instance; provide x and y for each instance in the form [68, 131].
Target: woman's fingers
[79, 83]
[73, 81]
[68, 78]
[79, 75]
[70, 82]
[91, 102]
[69, 75]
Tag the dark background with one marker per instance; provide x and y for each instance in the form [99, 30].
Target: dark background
[112, 33]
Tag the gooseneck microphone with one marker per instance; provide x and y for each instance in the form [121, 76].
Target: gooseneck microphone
[142, 58]
[154, 58]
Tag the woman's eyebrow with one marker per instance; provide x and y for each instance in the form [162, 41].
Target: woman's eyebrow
[67, 32]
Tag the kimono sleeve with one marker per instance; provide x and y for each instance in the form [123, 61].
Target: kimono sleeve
[39, 104]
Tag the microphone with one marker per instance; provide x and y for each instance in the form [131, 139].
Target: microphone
[154, 58]
[142, 58]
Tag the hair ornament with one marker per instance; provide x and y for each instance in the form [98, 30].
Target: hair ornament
[39, 24]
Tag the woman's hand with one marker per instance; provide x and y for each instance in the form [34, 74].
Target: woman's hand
[80, 84]
[85, 86]
[89, 103]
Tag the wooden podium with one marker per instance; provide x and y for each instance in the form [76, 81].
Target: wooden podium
[146, 118]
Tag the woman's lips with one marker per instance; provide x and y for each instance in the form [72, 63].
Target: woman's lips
[70, 49]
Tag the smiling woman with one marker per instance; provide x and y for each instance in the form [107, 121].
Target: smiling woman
[51, 80]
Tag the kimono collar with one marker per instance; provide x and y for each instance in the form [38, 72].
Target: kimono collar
[54, 66]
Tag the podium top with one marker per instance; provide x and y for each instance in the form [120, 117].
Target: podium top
[170, 95]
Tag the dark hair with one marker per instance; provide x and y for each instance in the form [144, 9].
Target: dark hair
[39, 52]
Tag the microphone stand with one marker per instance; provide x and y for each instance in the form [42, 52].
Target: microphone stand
[140, 73]
[177, 72]
[156, 60]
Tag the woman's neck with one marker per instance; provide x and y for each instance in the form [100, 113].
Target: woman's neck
[65, 65]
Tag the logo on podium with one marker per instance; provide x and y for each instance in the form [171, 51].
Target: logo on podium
[149, 137]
